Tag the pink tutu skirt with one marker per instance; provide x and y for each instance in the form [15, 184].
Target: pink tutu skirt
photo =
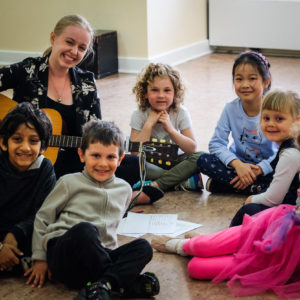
[268, 255]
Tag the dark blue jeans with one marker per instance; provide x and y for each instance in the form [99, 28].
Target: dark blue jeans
[211, 166]
[78, 257]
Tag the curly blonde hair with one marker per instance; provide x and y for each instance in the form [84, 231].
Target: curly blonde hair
[147, 77]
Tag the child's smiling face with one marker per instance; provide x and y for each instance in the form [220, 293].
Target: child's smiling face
[23, 147]
[101, 161]
[249, 84]
[160, 93]
[276, 125]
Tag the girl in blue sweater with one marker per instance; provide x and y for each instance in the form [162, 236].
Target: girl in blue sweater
[245, 164]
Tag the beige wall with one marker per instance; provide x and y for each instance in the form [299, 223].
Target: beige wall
[145, 27]
[26, 25]
[175, 23]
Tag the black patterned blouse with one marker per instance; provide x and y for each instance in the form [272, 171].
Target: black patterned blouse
[29, 81]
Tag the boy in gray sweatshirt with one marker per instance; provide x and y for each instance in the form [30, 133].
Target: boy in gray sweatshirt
[75, 237]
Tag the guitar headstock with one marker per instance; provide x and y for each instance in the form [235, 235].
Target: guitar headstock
[162, 149]
[159, 152]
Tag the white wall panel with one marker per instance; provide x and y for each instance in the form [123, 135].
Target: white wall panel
[270, 24]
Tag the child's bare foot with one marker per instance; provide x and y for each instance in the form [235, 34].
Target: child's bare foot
[159, 243]
[168, 245]
[190, 235]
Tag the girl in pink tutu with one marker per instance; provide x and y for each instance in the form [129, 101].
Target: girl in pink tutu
[262, 253]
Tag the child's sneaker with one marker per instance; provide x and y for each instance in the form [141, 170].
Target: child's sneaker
[194, 183]
[213, 186]
[209, 185]
[137, 185]
[94, 291]
[145, 286]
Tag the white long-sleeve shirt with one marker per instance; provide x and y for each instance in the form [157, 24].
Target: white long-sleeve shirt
[287, 167]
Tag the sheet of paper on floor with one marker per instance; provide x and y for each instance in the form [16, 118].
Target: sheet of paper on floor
[139, 223]
[150, 223]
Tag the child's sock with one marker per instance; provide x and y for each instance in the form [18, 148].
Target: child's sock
[175, 246]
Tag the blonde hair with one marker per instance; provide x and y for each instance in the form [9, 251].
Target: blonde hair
[147, 77]
[282, 101]
[76, 20]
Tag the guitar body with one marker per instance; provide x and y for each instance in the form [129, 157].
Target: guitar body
[7, 104]
[55, 117]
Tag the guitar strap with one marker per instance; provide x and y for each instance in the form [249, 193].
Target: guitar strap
[142, 167]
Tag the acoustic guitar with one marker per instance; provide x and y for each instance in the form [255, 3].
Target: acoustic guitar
[157, 152]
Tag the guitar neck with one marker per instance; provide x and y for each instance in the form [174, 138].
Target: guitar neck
[163, 151]
[65, 141]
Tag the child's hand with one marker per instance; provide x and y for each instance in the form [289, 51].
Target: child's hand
[38, 273]
[8, 256]
[164, 119]
[257, 170]
[238, 184]
[153, 117]
[245, 174]
[249, 199]
[144, 135]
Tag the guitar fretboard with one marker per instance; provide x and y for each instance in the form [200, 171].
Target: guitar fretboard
[65, 141]
[155, 151]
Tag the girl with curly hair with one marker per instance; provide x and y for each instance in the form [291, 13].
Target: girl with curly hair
[159, 93]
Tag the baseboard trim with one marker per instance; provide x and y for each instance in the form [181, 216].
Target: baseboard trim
[8, 57]
[173, 57]
[129, 64]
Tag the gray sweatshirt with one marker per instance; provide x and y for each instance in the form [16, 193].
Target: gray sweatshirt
[80, 198]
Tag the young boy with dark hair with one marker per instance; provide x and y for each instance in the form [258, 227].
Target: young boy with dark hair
[75, 229]
[26, 178]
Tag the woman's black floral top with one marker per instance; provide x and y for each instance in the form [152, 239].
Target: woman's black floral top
[29, 81]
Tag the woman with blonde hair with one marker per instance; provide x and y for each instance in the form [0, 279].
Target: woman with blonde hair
[54, 81]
